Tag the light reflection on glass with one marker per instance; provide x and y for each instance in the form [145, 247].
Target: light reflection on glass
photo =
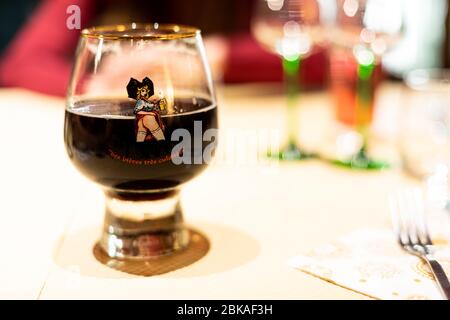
[350, 7]
[275, 5]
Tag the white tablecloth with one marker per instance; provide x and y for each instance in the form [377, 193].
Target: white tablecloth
[256, 217]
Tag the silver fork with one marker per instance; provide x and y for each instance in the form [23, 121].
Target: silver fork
[409, 223]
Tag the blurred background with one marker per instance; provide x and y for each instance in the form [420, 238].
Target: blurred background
[37, 48]
[344, 48]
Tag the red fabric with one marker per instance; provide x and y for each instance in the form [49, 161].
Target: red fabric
[249, 62]
[39, 57]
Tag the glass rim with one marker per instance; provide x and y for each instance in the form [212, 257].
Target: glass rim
[150, 31]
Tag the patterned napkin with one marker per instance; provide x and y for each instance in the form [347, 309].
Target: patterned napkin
[370, 262]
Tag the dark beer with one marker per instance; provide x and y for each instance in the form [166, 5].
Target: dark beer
[101, 141]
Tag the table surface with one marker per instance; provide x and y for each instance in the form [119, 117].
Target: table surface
[256, 215]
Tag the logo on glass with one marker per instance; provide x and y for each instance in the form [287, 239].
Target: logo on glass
[148, 123]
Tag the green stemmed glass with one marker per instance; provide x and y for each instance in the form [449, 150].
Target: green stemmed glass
[365, 88]
[364, 30]
[289, 29]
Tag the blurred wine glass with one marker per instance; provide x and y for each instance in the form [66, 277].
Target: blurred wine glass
[359, 32]
[289, 28]
[424, 139]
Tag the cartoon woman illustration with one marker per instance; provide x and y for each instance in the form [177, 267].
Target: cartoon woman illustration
[148, 122]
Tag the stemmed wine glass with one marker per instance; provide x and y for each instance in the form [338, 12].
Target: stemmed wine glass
[359, 32]
[141, 120]
[289, 28]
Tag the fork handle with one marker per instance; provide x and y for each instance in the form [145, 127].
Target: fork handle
[439, 275]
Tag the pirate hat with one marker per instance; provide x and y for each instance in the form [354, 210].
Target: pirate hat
[134, 85]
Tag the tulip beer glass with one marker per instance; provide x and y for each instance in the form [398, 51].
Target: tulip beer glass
[141, 120]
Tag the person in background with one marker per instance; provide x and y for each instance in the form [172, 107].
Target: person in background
[39, 58]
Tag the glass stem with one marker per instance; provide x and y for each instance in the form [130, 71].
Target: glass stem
[143, 225]
[291, 69]
[365, 101]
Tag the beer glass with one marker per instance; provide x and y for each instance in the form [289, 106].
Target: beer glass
[140, 121]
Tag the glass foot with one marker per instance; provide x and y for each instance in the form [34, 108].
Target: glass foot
[290, 153]
[198, 247]
[361, 161]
